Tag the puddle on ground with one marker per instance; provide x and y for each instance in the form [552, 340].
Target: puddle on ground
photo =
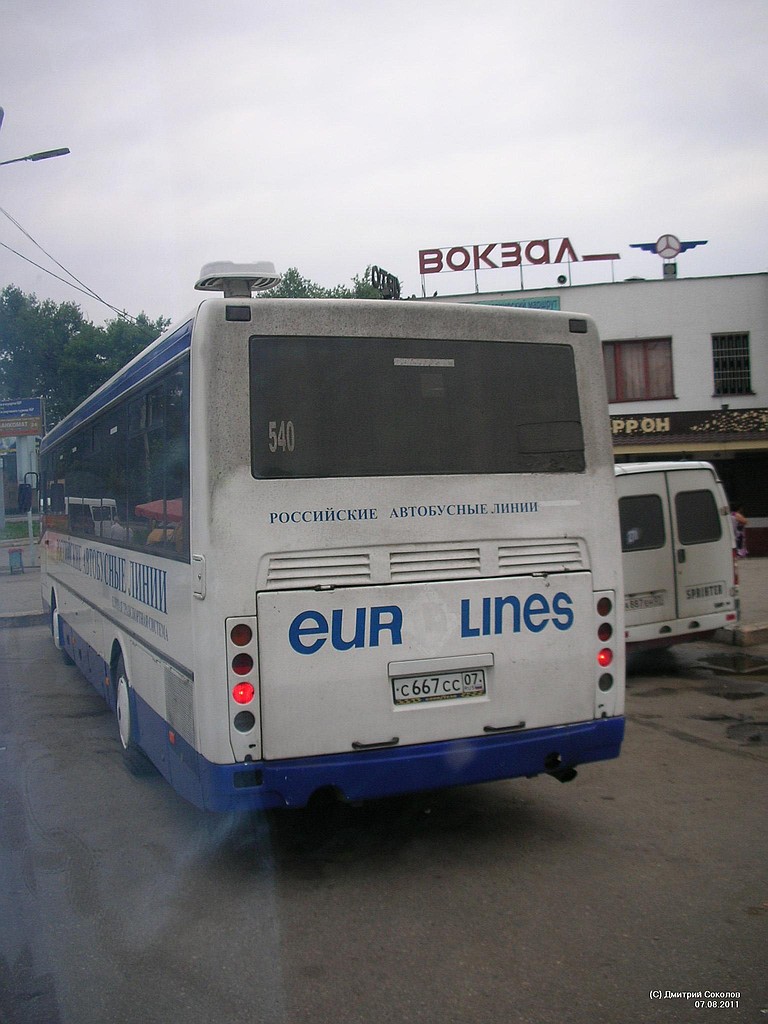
[737, 689]
[717, 718]
[748, 732]
[659, 691]
[735, 663]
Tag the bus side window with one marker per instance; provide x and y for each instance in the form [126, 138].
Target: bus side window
[56, 504]
[158, 467]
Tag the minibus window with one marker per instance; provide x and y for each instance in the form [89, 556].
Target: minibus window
[698, 521]
[642, 522]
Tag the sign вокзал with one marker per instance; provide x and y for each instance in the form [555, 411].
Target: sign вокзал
[497, 255]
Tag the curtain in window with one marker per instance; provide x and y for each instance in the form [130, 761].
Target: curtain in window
[633, 370]
[638, 370]
[659, 368]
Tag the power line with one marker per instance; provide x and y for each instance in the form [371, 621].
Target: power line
[84, 288]
[45, 270]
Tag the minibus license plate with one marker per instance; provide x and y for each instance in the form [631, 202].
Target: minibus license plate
[653, 599]
[439, 686]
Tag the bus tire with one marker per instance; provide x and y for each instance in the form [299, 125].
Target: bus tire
[133, 755]
[55, 625]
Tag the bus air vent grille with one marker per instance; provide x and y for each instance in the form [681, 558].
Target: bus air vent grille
[315, 569]
[556, 555]
[179, 703]
[435, 564]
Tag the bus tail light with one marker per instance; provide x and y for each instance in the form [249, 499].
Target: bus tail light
[241, 634]
[242, 676]
[604, 655]
[244, 721]
[243, 693]
[242, 664]
[604, 606]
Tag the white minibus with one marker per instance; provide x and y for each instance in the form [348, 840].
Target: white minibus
[678, 552]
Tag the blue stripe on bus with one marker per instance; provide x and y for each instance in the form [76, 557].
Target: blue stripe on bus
[363, 775]
[373, 774]
[153, 358]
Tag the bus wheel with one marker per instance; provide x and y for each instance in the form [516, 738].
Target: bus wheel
[56, 632]
[126, 725]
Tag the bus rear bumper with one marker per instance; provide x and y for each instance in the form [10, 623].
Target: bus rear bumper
[372, 774]
[356, 775]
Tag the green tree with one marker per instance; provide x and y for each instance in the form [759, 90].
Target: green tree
[361, 288]
[294, 286]
[52, 351]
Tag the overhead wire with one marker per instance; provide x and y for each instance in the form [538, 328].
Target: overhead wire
[80, 286]
[85, 291]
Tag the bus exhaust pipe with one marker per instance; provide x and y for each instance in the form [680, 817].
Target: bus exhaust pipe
[553, 766]
[564, 774]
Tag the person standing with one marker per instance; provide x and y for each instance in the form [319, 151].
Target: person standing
[740, 523]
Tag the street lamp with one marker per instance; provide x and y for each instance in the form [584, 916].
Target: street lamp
[45, 155]
[36, 156]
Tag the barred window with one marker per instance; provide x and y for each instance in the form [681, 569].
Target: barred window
[730, 363]
[638, 370]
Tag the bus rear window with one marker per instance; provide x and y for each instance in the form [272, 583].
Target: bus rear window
[347, 407]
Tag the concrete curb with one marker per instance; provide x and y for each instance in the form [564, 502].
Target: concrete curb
[743, 636]
[24, 619]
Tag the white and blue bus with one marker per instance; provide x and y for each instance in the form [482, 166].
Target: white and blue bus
[357, 548]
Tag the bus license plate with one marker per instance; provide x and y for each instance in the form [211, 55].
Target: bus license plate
[439, 686]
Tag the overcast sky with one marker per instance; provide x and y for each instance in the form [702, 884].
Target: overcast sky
[334, 134]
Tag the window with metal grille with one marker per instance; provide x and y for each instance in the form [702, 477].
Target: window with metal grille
[730, 363]
[638, 370]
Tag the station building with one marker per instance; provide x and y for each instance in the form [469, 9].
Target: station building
[686, 364]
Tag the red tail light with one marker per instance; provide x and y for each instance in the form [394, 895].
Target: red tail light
[243, 693]
[605, 657]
